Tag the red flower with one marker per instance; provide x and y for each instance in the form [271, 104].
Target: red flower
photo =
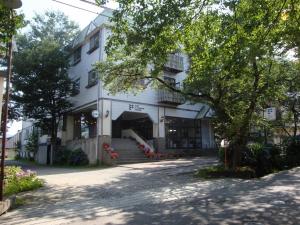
[105, 146]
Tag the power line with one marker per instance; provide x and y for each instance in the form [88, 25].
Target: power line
[75, 7]
[95, 4]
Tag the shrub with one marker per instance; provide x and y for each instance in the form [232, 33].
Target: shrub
[264, 159]
[78, 158]
[33, 143]
[61, 156]
[221, 172]
[17, 180]
[293, 154]
[221, 154]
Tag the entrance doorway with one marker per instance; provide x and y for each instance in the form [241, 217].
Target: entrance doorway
[139, 122]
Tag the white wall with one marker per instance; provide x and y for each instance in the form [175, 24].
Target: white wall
[88, 95]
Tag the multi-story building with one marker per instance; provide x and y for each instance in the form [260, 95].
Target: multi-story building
[158, 118]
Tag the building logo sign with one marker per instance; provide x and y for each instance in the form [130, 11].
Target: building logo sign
[135, 107]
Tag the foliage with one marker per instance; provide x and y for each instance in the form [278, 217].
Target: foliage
[236, 54]
[263, 158]
[78, 158]
[293, 154]
[65, 156]
[220, 172]
[16, 180]
[62, 156]
[40, 82]
[290, 106]
[10, 22]
[32, 143]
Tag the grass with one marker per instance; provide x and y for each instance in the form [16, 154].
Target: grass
[219, 171]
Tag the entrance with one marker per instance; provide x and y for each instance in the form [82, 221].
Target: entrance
[138, 122]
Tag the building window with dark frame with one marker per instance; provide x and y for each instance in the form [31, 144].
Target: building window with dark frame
[75, 87]
[94, 43]
[170, 81]
[92, 78]
[77, 55]
[182, 133]
[85, 126]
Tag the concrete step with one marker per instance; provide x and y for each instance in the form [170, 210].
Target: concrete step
[128, 151]
[124, 144]
[128, 161]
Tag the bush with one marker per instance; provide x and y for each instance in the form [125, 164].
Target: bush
[221, 172]
[264, 159]
[32, 143]
[61, 156]
[221, 154]
[16, 180]
[78, 158]
[293, 154]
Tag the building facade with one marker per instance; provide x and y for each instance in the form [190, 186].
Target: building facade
[162, 120]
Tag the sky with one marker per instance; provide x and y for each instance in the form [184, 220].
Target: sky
[30, 7]
[83, 18]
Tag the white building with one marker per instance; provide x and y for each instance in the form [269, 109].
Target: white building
[155, 117]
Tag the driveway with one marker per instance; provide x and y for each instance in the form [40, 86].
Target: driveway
[158, 193]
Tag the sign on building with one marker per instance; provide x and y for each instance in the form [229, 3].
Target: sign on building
[270, 114]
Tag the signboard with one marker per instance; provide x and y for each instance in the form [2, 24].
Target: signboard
[270, 114]
[135, 108]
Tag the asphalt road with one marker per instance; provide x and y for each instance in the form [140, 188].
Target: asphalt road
[157, 193]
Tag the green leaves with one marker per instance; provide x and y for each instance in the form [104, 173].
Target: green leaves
[236, 52]
[41, 84]
[10, 22]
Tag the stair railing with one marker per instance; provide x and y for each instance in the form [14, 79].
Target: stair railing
[129, 133]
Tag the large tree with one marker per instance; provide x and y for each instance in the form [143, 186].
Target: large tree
[235, 48]
[40, 82]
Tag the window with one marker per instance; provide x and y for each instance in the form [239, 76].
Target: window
[85, 126]
[92, 78]
[170, 81]
[94, 42]
[183, 133]
[76, 87]
[77, 55]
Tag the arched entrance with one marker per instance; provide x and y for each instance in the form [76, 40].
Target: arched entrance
[138, 122]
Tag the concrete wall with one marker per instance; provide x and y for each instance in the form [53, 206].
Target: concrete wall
[87, 145]
[41, 156]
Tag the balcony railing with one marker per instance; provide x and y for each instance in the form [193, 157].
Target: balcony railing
[174, 64]
[170, 97]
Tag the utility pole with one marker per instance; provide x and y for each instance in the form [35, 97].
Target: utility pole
[12, 4]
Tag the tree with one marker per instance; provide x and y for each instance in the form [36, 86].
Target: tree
[41, 84]
[234, 49]
[290, 106]
[32, 143]
[10, 22]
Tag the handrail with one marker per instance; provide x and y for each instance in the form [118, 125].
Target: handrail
[130, 133]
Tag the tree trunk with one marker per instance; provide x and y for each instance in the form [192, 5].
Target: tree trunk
[53, 138]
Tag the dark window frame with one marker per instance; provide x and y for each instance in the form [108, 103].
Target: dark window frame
[75, 87]
[177, 133]
[94, 42]
[94, 81]
[77, 55]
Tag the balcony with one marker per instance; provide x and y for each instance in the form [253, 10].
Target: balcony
[170, 97]
[174, 64]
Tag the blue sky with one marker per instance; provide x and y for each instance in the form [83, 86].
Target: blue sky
[83, 18]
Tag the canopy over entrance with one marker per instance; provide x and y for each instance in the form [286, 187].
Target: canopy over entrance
[139, 122]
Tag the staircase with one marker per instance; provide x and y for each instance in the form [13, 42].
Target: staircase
[128, 151]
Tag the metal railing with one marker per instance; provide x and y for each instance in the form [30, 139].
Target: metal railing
[174, 63]
[170, 97]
